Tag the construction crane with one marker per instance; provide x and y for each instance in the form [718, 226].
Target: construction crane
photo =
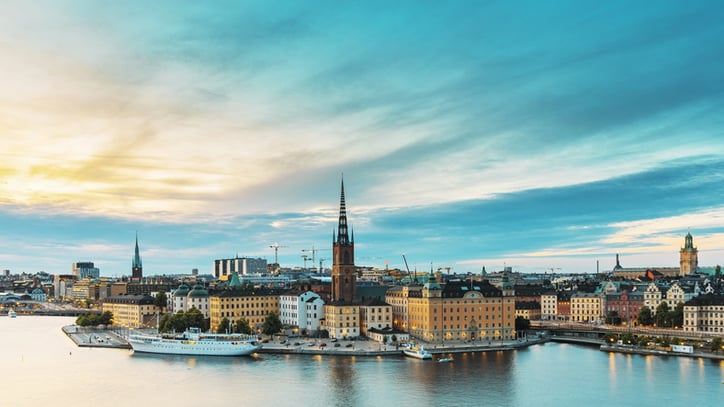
[305, 257]
[313, 251]
[408, 268]
[276, 247]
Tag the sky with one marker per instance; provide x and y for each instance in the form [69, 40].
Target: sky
[544, 136]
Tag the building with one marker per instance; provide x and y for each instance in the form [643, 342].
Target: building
[462, 311]
[136, 265]
[223, 268]
[198, 298]
[301, 311]
[586, 307]
[530, 310]
[375, 315]
[398, 297]
[254, 305]
[341, 314]
[688, 257]
[132, 311]
[704, 313]
[549, 306]
[625, 304]
[86, 269]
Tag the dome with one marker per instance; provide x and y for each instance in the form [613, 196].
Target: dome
[181, 291]
[198, 292]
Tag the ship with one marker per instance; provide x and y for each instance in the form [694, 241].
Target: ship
[193, 342]
[11, 313]
[417, 351]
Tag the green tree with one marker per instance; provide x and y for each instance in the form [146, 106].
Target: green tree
[161, 300]
[272, 324]
[715, 345]
[223, 326]
[194, 318]
[628, 338]
[612, 318]
[662, 315]
[521, 324]
[645, 317]
[676, 316]
[242, 326]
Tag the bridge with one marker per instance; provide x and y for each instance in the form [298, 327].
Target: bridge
[595, 333]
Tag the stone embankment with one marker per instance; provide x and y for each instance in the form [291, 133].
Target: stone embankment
[635, 350]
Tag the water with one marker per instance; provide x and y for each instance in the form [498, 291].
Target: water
[41, 366]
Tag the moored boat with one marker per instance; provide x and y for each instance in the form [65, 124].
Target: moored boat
[193, 342]
[417, 351]
[11, 313]
[445, 360]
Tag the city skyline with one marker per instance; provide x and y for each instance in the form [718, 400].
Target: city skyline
[542, 137]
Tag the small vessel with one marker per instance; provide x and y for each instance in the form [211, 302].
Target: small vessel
[193, 342]
[445, 360]
[11, 313]
[417, 351]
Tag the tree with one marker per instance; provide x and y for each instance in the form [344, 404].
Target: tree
[612, 318]
[89, 319]
[645, 316]
[242, 326]
[662, 315]
[161, 300]
[272, 324]
[521, 324]
[677, 315]
[715, 345]
[223, 326]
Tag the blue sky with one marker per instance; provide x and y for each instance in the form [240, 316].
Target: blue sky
[538, 135]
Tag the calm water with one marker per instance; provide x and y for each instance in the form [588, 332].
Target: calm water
[41, 366]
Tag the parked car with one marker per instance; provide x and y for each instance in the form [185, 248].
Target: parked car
[321, 345]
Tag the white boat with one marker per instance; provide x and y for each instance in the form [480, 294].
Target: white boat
[417, 351]
[193, 342]
[11, 313]
[445, 360]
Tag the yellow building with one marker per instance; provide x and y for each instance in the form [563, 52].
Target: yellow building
[341, 320]
[462, 311]
[131, 311]
[375, 314]
[398, 297]
[704, 313]
[253, 305]
[586, 307]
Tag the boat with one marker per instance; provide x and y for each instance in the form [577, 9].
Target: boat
[417, 351]
[193, 342]
[11, 313]
[445, 360]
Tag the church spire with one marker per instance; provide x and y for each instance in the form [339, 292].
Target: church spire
[342, 234]
[136, 265]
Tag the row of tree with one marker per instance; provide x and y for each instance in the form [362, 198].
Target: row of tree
[663, 316]
[181, 321]
[89, 319]
[628, 338]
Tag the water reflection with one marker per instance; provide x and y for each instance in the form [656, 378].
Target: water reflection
[342, 379]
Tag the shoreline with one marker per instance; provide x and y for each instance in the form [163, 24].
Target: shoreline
[657, 352]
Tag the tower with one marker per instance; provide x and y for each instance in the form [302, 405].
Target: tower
[343, 269]
[136, 266]
[688, 257]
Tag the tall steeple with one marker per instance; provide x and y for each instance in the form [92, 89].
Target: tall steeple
[343, 269]
[136, 265]
[688, 257]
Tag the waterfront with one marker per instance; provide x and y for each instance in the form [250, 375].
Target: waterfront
[42, 365]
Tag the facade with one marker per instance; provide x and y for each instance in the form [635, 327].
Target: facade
[586, 307]
[530, 310]
[198, 298]
[688, 257]
[375, 315]
[136, 265]
[252, 305]
[131, 311]
[398, 297]
[86, 269]
[342, 320]
[177, 299]
[704, 313]
[223, 268]
[549, 306]
[301, 310]
[38, 295]
[462, 311]
[626, 304]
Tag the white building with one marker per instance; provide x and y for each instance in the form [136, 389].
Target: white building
[301, 310]
[549, 306]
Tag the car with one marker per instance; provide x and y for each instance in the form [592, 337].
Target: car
[321, 345]
[311, 344]
[336, 345]
[349, 345]
[297, 343]
[334, 339]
